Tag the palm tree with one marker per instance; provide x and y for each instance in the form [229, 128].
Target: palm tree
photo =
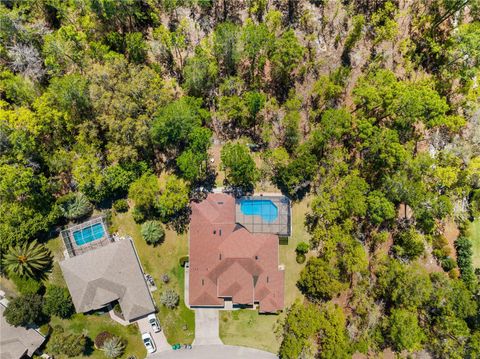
[114, 347]
[153, 232]
[28, 260]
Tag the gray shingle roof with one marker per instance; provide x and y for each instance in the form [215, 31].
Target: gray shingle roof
[17, 341]
[101, 276]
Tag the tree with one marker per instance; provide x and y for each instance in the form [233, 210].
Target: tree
[136, 48]
[65, 343]
[240, 169]
[169, 298]
[225, 47]
[175, 122]
[301, 325]
[144, 192]
[286, 56]
[24, 310]
[28, 260]
[408, 244]
[380, 209]
[153, 232]
[75, 205]
[404, 330]
[57, 301]
[174, 197]
[332, 338]
[319, 280]
[113, 347]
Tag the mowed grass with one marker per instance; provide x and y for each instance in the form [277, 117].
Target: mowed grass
[247, 327]
[178, 324]
[474, 234]
[92, 325]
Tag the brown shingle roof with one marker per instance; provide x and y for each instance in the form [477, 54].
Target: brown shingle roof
[226, 260]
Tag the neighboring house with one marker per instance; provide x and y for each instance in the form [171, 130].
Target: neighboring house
[108, 274]
[229, 265]
[17, 342]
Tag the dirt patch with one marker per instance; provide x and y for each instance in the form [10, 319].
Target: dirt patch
[451, 233]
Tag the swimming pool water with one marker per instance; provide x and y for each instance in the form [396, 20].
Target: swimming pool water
[88, 234]
[259, 207]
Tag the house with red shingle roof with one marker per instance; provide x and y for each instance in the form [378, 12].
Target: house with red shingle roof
[230, 266]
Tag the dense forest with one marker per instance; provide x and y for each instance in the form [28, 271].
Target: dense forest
[369, 108]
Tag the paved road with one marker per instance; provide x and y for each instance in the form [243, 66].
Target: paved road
[214, 352]
[206, 327]
[159, 338]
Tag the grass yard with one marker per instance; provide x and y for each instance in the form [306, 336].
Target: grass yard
[474, 233]
[92, 325]
[247, 327]
[178, 324]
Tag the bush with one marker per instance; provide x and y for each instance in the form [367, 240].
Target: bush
[302, 248]
[153, 232]
[26, 285]
[101, 338]
[169, 298]
[113, 347]
[68, 344]
[448, 264]
[23, 310]
[120, 205]
[58, 302]
[183, 260]
[138, 215]
[300, 258]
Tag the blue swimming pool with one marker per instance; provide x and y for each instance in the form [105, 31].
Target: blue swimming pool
[89, 234]
[259, 207]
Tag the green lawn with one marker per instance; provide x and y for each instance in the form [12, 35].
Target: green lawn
[178, 324]
[93, 324]
[474, 233]
[247, 327]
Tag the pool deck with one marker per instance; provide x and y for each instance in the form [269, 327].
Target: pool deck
[255, 224]
[73, 249]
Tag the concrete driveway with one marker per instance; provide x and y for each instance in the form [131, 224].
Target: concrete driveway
[215, 352]
[206, 327]
[159, 338]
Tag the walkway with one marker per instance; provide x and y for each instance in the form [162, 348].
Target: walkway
[215, 352]
[158, 338]
[206, 327]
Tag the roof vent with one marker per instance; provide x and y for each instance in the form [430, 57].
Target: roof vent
[220, 256]
[203, 282]
[219, 202]
[220, 232]
[214, 231]
[256, 258]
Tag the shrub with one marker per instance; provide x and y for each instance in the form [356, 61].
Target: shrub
[169, 298]
[101, 338]
[302, 248]
[24, 310]
[165, 278]
[448, 264]
[113, 347]
[120, 205]
[27, 286]
[68, 344]
[153, 232]
[58, 302]
[300, 258]
[183, 260]
[138, 215]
